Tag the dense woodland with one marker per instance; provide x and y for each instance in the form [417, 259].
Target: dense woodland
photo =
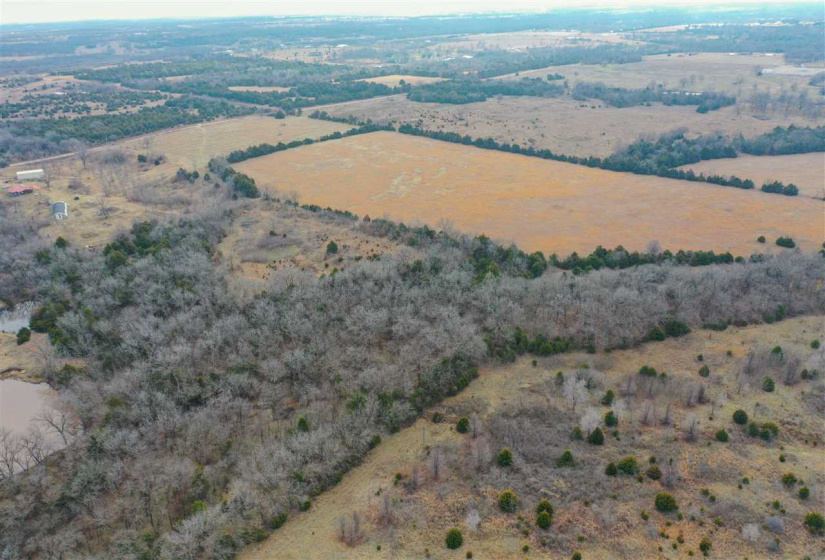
[172, 419]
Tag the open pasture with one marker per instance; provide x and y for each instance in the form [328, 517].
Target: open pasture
[194, 146]
[540, 205]
[737, 74]
[806, 171]
[562, 124]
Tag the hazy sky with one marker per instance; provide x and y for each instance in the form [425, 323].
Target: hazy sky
[30, 11]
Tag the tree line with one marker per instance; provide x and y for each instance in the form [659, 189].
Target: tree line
[40, 137]
[643, 157]
[475, 90]
[623, 97]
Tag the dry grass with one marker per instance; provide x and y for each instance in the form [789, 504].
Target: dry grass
[394, 79]
[271, 236]
[194, 146]
[541, 205]
[562, 124]
[806, 171]
[698, 72]
[423, 516]
[24, 361]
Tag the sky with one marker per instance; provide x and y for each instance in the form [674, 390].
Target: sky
[34, 11]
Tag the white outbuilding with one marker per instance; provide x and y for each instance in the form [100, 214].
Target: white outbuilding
[30, 174]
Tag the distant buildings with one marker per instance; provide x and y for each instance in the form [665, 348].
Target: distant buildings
[30, 174]
[60, 210]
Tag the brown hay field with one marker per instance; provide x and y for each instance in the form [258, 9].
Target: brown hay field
[806, 171]
[262, 89]
[594, 514]
[194, 146]
[394, 79]
[561, 124]
[540, 205]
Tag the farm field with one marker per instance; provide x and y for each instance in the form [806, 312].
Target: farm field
[465, 498]
[806, 171]
[734, 74]
[194, 146]
[561, 124]
[540, 205]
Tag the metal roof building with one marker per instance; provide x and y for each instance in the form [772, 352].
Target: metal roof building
[60, 210]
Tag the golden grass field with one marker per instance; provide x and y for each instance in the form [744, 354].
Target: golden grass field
[394, 79]
[423, 516]
[540, 205]
[562, 124]
[806, 171]
[194, 146]
[697, 72]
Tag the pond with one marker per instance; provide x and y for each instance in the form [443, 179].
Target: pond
[21, 402]
[17, 318]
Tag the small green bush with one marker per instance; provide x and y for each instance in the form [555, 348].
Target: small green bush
[332, 248]
[815, 523]
[610, 419]
[303, 424]
[704, 545]
[505, 458]
[665, 502]
[608, 397]
[566, 459]
[23, 335]
[628, 465]
[768, 384]
[786, 242]
[704, 371]
[740, 417]
[454, 539]
[544, 520]
[576, 434]
[596, 437]
[804, 493]
[463, 425]
[654, 472]
[576, 556]
[545, 505]
[508, 501]
[815, 344]
[611, 469]
[675, 327]
[647, 371]
[722, 436]
[761, 239]
[789, 479]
